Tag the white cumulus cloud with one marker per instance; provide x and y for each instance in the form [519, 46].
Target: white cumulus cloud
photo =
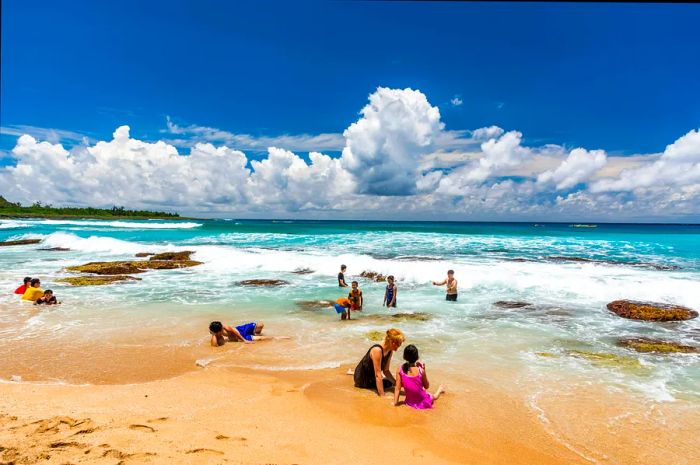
[384, 147]
[578, 167]
[679, 165]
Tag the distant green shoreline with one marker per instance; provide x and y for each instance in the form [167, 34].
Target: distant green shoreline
[16, 210]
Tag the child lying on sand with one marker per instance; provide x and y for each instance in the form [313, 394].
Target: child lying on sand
[247, 333]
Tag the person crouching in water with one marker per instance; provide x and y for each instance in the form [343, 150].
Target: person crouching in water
[247, 333]
[355, 297]
[342, 307]
[47, 299]
[414, 380]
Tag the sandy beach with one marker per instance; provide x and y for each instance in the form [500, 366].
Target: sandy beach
[246, 417]
[218, 415]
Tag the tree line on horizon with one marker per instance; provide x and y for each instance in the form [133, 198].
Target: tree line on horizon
[37, 209]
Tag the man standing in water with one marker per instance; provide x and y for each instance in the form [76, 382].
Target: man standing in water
[341, 276]
[451, 286]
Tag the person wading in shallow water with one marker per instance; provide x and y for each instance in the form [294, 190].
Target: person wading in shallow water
[341, 276]
[451, 286]
[376, 362]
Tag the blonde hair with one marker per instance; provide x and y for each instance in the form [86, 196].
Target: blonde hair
[394, 335]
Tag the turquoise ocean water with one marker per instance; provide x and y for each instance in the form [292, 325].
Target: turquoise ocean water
[535, 263]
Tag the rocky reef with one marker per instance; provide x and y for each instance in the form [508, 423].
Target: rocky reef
[511, 304]
[263, 282]
[172, 256]
[95, 280]
[607, 360]
[650, 311]
[314, 304]
[19, 242]
[126, 267]
[303, 271]
[647, 345]
[374, 276]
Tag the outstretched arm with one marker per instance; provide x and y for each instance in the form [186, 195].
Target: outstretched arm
[397, 389]
[440, 283]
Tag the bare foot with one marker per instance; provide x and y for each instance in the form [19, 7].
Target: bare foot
[441, 390]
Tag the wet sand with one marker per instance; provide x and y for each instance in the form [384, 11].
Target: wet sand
[225, 415]
[241, 416]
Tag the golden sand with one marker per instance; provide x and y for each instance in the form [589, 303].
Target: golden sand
[224, 415]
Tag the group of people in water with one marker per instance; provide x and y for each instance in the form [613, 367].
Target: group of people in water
[31, 290]
[373, 371]
[354, 301]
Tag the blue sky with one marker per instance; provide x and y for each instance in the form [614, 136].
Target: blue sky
[619, 77]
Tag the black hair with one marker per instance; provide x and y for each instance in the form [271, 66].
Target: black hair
[27, 279]
[215, 326]
[410, 354]
[342, 267]
[35, 281]
[391, 276]
[47, 291]
[355, 282]
[450, 271]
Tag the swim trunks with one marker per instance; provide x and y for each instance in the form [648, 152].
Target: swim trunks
[451, 297]
[339, 308]
[247, 331]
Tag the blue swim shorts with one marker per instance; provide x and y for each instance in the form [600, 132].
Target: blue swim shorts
[247, 331]
[339, 308]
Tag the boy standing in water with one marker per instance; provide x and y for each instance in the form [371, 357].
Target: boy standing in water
[355, 297]
[451, 286]
[390, 292]
[341, 276]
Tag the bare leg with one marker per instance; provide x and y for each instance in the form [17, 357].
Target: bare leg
[439, 392]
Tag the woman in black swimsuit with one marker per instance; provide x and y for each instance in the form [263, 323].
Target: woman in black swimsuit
[368, 373]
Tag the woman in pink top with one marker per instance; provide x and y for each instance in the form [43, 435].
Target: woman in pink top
[412, 376]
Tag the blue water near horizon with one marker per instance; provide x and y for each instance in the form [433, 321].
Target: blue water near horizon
[568, 274]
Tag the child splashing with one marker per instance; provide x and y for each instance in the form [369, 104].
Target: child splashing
[412, 376]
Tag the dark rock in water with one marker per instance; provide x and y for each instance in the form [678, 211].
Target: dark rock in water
[384, 318]
[643, 344]
[650, 311]
[95, 280]
[314, 304]
[519, 260]
[130, 267]
[655, 266]
[19, 242]
[144, 254]
[511, 304]
[55, 249]
[418, 258]
[173, 256]
[303, 271]
[374, 276]
[263, 282]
